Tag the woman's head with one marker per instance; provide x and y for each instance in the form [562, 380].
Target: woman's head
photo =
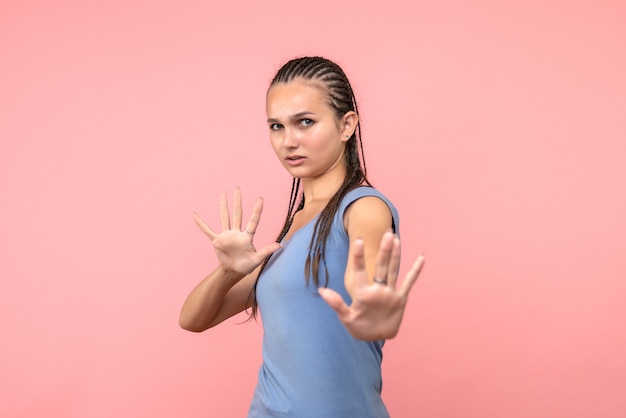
[335, 88]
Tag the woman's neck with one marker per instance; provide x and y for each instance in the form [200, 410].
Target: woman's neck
[323, 188]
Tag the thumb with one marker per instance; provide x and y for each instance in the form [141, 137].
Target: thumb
[268, 250]
[335, 300]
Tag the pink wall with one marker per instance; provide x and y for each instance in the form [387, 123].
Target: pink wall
[498, 131]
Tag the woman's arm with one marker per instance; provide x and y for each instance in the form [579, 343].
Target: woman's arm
[367, 218]
[219, 296]
[371, 275]
[225, 292]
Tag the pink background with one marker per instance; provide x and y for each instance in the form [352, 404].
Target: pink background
[497, 128]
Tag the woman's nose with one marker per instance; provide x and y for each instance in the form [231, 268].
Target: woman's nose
[289, 139]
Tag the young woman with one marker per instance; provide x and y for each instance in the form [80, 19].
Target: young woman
[326, 288]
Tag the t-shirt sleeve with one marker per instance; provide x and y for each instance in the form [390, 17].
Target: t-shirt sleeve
[365, 191]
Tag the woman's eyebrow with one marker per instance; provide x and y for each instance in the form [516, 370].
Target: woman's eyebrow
[293, 117]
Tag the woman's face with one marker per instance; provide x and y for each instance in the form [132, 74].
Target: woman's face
[305, 133]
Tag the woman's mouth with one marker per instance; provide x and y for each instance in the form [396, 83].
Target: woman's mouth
[294, 160]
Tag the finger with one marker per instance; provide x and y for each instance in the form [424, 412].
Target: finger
[224, 212]
[207, 231]
[335, 301]
[358, 260]
[382, 258]
[268, 250]
[394, 262]
[255, 217]
[412, 275]
[237, 209]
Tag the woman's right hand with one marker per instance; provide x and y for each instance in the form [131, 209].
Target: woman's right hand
[233, 246]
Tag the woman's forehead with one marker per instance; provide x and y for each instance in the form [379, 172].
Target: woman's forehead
[285, 99]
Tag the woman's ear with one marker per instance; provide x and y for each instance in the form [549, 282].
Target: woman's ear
[348, 125]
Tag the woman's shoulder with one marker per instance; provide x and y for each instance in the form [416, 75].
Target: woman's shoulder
[369, 207]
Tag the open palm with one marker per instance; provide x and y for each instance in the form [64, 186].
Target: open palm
[377, 308]
[234, 248]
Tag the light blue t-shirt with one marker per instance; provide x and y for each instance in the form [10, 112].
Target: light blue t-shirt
[312, 366]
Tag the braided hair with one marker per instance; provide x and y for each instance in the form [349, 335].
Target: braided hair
[340, 97]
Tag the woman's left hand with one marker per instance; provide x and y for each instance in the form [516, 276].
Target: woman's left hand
[377, 308]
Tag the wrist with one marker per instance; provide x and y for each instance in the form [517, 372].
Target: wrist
[228, 275]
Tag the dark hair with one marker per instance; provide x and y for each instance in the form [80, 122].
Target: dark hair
[331, 79]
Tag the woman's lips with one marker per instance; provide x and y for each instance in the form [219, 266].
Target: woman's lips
[294, 160]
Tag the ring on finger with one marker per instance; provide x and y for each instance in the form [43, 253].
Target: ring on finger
[249, 233]
[380, 281]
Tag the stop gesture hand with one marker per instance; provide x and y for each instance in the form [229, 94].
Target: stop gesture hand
[233, 246]
[377, 308]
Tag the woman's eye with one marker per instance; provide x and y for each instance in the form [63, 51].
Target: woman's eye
[275, 126]
[306, 122]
